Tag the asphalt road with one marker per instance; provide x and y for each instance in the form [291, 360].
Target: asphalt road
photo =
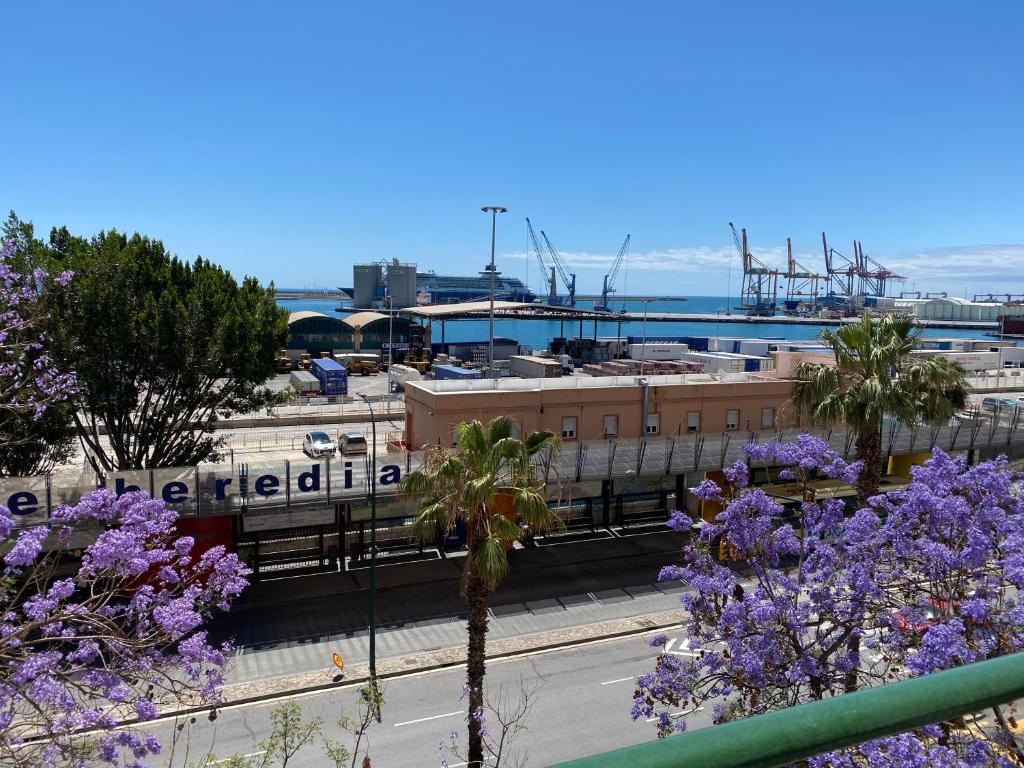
[580, 702]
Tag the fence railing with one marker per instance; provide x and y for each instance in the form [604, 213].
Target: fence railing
[797, 733]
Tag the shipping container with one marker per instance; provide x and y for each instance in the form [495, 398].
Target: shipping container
[333, 377]
[305, 383]
[529, 367]
[454, 372]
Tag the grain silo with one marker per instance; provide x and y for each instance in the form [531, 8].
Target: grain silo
[365, 280]
[402, 284]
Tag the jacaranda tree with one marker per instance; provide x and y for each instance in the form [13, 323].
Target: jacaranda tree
[34, 423]
[486, 483]
[88, 644]
[924, 579]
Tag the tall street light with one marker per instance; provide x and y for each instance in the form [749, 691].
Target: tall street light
[373, 548]
[494, 210]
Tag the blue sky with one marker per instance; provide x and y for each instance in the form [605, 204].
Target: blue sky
[289, 141]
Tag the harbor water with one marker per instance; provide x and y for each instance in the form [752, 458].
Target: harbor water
[537, 333]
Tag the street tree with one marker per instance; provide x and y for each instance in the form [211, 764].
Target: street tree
[923, 579]
[92, 642]
[35, 420]
[488, 483]
[162, 347]
[876, 377]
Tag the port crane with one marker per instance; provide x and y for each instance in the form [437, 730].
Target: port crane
[801, 283]
[873, 278]
[609, 279]
[840, 270]
[568, 279]
[548, 272]
[759, 294]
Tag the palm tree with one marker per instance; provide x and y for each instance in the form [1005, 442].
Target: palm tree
[487, 481]
[874, 377]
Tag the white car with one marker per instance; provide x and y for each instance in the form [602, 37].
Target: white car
[317, 444]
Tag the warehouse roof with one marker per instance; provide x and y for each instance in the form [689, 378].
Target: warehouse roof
[517, 309]
[359, 319]
[296, 316]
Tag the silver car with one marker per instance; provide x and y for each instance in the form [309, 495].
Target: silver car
[317, 444]
[353, 442]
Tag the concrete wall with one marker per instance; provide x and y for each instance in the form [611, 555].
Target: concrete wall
[431, 416]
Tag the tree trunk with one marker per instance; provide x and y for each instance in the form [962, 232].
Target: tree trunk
[476, 658]
[869, 450]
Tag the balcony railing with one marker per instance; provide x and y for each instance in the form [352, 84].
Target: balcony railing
[797, 733]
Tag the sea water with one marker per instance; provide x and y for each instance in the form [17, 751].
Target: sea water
[537, 333]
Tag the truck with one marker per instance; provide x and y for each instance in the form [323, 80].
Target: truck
[363, 363]
[531, 367]
[305, 361]
[332, 375]
[282, 363]
[305, 383]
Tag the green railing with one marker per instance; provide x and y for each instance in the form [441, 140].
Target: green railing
[797, 733]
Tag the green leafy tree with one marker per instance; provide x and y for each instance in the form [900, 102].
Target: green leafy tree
[488, 482]
[163, 347]
[875, 377]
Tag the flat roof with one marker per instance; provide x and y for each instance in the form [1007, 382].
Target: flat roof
[514, 384]
[519, 309]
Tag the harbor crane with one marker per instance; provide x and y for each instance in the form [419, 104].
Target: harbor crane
[609, 279]
[568, 279]
[545, 270]
[801, 283]
[759, 294]
[873, 277]
[840, 270]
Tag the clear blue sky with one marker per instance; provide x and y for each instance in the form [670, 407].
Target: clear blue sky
[289, 140]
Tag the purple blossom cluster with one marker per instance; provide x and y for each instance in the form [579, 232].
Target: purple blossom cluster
[115, 640]
[922, 579]
[29, 381]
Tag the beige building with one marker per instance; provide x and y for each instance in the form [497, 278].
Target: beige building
[583, 408]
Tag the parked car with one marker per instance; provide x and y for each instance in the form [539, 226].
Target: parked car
[353, 442]
[317, 444]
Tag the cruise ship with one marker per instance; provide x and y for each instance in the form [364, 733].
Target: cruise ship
[449, 289]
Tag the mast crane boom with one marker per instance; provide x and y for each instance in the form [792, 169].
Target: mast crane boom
[609, 279]
[567, 279]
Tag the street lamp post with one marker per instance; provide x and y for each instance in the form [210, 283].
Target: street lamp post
[391, 338]
[494, 210]
[373, 546]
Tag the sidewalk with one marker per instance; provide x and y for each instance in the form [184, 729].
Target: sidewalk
[286, 629]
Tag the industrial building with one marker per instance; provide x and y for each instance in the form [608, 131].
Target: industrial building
[373, 285]
[315, 333]
[579, 408]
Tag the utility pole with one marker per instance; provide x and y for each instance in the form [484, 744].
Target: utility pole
[373, 551]
[494, 210]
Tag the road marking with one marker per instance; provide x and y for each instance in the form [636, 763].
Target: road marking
[228, 759]
[677, 714]
[425, 719]
[620, 680]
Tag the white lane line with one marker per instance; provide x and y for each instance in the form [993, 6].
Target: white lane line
[620, 680]
[425, 719]
[678, 714]
[228, 759]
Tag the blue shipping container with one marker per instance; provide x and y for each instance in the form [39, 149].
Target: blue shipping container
[449, 372]
[333, 376]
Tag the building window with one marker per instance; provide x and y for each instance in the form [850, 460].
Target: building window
[693, 421]
[653, 424]
[611, 426]
[732, 418]
[767, 418]
[569, 427]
